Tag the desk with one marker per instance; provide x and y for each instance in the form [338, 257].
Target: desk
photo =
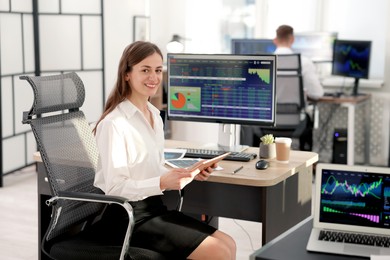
[292, 245]
[355, 120]
[279, 197]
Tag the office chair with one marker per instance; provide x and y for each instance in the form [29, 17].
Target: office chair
[70, 156]
[291, 118]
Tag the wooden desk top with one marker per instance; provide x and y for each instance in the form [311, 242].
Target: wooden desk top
[249, 175]
[342, 99]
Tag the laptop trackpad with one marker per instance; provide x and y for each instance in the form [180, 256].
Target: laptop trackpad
[358, 250]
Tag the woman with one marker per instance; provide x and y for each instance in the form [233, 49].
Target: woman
[130, 139]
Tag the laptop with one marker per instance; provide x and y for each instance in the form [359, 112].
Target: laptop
[351, 210]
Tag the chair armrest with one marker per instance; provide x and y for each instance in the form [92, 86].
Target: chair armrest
[100, 198]
[95, 197]
[181, 199]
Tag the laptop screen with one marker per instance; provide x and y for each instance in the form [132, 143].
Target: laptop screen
[353, 195]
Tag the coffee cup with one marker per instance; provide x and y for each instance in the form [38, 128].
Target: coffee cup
[283, 146]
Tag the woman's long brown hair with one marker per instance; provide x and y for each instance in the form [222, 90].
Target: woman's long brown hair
[133, 54]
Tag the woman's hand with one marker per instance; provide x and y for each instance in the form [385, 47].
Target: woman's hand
[176, 179]
[205, 174]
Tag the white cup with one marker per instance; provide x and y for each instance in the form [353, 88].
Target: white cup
[283, 147]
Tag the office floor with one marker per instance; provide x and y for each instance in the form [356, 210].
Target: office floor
[19, 221]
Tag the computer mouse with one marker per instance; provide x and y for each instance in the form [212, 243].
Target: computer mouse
[262, 165]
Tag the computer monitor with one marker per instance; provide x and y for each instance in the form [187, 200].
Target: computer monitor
[351, 58]
[222, 88]
[318, 46]
[252, 46]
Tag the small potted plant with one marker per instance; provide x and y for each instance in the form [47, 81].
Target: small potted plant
[267, 147]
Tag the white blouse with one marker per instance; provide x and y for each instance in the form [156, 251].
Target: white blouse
[131, 152]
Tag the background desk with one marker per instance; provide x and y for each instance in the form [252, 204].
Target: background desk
[279, 197]
[347, 112]
[292, 245]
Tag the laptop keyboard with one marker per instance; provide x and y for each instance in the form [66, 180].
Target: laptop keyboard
[372, 240]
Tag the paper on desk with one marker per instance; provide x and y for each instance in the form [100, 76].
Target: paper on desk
[380, 257]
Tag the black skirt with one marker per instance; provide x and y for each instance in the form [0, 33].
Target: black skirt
[169, 232]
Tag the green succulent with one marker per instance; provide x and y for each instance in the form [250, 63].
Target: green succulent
[267, 139]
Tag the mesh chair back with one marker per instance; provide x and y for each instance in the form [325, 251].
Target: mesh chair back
[67, 146]
[56, 93]
[289, 62]
[289, 91]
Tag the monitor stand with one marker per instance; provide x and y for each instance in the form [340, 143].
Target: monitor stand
[355, 87]
[355, 90]
[228, 139]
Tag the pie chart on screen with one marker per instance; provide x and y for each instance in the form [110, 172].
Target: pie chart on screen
[178, 100]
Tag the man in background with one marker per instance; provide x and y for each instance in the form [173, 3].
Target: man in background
[311, 84]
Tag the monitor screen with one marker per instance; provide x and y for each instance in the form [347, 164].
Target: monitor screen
[351, 59]
[318, 46]
[222, 88]
[253, 46]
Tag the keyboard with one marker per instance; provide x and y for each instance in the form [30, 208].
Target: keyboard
[208, 154]
[371, 240]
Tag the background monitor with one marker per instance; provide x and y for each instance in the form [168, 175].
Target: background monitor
[252, 46]
[222, 88]
[318, 46]
[351, 58]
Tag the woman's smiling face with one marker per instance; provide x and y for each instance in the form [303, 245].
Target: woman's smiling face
[146, 76]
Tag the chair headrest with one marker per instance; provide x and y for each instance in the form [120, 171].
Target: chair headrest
[56, 92]
[289, 62]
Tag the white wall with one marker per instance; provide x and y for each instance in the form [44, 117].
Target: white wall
[386, 54]
[63, 48]
[167, 18]
[355, 19]
[357, 24]
[118, 32]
